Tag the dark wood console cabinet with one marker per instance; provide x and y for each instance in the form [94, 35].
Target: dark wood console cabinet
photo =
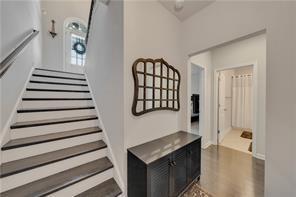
[164, 167]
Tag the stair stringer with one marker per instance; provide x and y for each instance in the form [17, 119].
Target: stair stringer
[5, 134]
[110, 154]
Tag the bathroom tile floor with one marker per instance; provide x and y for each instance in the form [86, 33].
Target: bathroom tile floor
[234, 140]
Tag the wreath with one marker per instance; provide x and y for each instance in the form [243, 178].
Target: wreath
[79, 48]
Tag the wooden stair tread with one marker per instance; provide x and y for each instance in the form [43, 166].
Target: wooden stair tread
[108, 188]
[55, 90]
[58, 77]
[59, 71]
[57, 83]
[60, 180]
[51, 121]
[29, 163]
[17, 143]
[29, 110]
[55, 99]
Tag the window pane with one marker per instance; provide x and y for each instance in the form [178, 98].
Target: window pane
[77, 58]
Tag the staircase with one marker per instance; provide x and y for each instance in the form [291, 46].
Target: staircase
[56, 147]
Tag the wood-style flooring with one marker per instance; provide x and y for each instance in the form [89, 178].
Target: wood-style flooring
[230, 173]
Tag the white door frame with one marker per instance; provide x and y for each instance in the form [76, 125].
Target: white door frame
[202, 118]
[254, 65]
[66, 22]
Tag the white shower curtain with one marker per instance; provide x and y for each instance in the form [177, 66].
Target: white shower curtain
[242, 101]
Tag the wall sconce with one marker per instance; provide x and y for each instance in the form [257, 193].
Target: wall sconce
[52, 32]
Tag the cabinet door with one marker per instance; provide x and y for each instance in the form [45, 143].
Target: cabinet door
[193, 158]
[179, 178]
[159, 178]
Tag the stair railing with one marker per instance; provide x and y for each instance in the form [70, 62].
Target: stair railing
[8, 61]
[92, 6]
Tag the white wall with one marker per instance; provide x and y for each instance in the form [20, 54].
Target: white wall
[150, 31]
[223, 21]
[205, 61]
[195, 80]
[17, 20]
[53, 52]
[104, 69]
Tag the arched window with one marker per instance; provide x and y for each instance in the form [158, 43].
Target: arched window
[75, 48]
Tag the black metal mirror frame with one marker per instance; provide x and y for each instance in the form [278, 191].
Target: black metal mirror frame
[171, 104]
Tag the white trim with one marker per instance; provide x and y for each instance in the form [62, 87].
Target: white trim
[255, 100]
[110, 154]
[207, 144]
[5, 135]
[67, 21]
[202, 118]
[259, 156]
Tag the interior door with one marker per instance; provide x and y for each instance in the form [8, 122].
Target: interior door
[221, 104]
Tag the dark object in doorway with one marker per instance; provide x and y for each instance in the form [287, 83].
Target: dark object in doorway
[196, 191]
[195, 103]
[250, 147]
[247, 134]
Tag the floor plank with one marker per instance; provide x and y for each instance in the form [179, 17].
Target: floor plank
[230, 173]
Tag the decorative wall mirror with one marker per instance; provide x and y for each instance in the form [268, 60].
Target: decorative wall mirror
[157, 86]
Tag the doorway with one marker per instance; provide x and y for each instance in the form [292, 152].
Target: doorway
[197, 73]
[75, 31]
[235, 108]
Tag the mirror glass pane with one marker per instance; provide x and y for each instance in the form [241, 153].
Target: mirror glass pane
[140, 79]
[140, 66]
[157, 104]
[149, 93]
[149, 67]
[157, 68]
[157, 82]
[141, 93]
[164, 94]
[148, 104]
[149, 81]
[157, 94]
[139, 107]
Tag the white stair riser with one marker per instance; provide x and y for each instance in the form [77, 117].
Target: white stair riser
[48, 129]
[19, 179]
[55, 103]
[84, 185]
[56, 87]
[31, 116]
[28, 151]
[44, 94]
[60, 74]
[47, 79]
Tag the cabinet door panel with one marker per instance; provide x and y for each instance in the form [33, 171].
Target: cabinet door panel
[194, 160]
[179, 169]
[159, 178]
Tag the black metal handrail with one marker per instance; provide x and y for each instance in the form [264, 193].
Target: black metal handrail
[8, 61]
[92, 6]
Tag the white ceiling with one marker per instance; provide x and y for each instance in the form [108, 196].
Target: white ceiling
[190, 7]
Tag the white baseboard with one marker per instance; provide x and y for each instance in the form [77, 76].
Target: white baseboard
[259, 156]
[206, 144]
[110, 154]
